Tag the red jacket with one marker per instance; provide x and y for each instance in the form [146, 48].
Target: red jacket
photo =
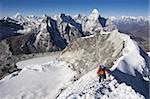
[102, 71]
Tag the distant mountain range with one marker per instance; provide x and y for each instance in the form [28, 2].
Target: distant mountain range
[136, 27]
[44, 34]
[30, 34]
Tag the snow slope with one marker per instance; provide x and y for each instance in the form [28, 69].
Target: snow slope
[34, 81]
[36, 61]
[88, 87]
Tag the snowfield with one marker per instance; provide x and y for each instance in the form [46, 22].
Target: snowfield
[36, 61]
[37, 81]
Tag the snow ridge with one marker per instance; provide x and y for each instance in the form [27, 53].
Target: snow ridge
[88, 87]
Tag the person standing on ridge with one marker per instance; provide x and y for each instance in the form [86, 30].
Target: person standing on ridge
[101, 72]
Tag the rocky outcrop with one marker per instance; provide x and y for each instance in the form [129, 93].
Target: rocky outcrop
[49, 39]
[85, 53]
[5, 58]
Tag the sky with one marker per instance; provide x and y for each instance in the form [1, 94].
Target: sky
[50, 7]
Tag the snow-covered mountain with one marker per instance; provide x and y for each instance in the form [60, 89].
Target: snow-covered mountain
[136, 27]
[44, 34]
[67, 29]
[130, 19]
[83, 42]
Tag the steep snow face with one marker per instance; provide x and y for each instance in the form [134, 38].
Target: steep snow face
[41, 81]
[134, 65]
[131, 49]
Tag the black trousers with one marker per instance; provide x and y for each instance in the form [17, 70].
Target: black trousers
[102, 77]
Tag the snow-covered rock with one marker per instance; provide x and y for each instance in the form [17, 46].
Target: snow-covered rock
[94, 15]
[93, 24]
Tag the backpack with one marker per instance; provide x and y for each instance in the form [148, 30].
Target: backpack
[101, 70]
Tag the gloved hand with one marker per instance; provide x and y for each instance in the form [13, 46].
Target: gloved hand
[109, 75]
[98, 75]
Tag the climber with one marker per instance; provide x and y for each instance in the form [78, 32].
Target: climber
[101, 72]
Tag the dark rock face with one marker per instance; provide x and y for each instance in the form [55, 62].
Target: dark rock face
[56, 38]
[71, 21]
[102, 21]
[22, 44]
[5, 59]
[9, 28]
